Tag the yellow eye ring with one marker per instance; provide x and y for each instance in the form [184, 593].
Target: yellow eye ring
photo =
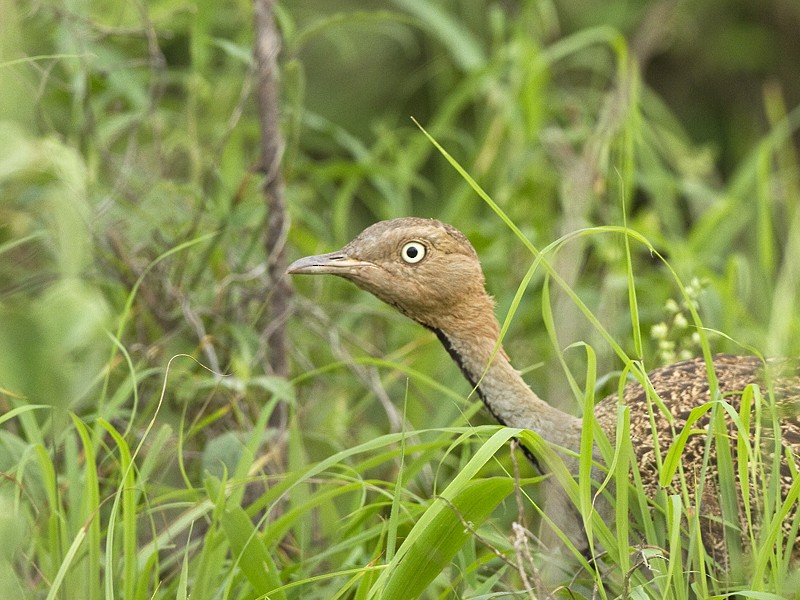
[413, 252]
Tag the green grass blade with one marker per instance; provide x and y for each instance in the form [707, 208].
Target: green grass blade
[586, 460]
[673, 458]
[463, 46]
[440, 532]
[250, 553]
[90, 509]
[66, 563]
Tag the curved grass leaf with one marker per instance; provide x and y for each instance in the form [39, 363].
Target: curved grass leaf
[442, 529]
[439, 535]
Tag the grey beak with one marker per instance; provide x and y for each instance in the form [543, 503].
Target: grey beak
[333, 263]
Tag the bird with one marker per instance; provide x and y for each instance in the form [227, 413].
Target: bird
[430, 272]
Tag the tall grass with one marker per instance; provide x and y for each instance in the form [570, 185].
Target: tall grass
[130, 237]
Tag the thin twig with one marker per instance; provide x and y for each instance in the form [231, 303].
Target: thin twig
[522, 550]
[267, 47]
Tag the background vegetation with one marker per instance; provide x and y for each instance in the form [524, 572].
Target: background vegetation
[131, 235]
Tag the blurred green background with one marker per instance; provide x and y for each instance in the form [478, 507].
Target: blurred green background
[132, 222]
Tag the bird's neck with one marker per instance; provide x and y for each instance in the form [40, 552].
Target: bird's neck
[474, 345]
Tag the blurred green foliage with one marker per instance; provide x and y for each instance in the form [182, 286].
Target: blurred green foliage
[131, 226]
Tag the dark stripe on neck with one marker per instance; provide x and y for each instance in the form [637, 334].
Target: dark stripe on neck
[470, 377]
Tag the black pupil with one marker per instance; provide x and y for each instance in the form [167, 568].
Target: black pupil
[412, 251]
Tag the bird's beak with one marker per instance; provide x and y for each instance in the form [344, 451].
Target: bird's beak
[333, 263]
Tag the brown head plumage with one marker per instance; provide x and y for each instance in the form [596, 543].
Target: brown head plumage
[426, 269]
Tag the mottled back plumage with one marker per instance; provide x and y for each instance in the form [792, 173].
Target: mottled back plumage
[684, 386]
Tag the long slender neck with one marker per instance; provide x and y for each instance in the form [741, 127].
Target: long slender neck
[472, 343]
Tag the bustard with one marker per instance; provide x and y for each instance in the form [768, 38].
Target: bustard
[430, 272]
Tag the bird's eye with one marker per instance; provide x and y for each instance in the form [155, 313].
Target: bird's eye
[413, 252]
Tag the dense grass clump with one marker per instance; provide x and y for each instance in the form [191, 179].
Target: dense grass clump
[139, 455]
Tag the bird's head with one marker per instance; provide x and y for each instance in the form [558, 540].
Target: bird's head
[426, 269]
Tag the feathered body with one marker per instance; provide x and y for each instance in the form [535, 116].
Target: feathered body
[430, 272]
[684, 386]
